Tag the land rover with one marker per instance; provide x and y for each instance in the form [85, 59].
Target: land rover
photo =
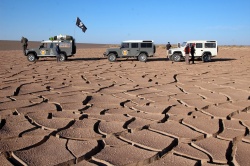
[47, 49]
[204, 49]
[140, 49]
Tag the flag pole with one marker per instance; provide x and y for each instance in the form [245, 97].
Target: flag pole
[75, 28]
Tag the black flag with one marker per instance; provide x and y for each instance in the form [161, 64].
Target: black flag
[81, 25]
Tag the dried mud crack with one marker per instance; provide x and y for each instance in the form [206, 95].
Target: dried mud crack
[88, 111]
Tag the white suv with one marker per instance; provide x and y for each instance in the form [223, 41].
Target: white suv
[204, 50]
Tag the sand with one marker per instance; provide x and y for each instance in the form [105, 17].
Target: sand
[88, 111]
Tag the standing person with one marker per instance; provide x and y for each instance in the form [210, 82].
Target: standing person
[25, 44]
[58, 51]
[192, 53]
[168, 46]
[187, 51]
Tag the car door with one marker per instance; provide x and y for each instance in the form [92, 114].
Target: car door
[134, 49]
[199, 49]
[125, 48]
[44, 49]
[51, 49]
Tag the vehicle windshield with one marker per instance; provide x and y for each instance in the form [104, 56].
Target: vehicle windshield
[183, 44]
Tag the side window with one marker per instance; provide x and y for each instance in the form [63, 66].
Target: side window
[146, 45]
[125, 45]
[134, 45]
[143, 45]
[149, 45]
[210, 45]
[198, 45]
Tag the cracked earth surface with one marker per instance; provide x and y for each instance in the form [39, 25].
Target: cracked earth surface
[88, 111]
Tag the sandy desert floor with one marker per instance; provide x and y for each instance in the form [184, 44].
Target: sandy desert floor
[88, 111]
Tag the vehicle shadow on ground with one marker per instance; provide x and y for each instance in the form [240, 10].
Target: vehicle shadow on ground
[213, 60]
[86, 59]
[134, 59]
[222, 59]
[157, 59]
[148, 60]
[72, 59]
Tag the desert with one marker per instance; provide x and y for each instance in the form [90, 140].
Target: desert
[89, 111]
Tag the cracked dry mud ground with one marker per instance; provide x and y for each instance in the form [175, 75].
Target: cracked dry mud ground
[88, 111]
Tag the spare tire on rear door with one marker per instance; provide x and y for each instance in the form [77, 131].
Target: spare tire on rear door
[154, 49]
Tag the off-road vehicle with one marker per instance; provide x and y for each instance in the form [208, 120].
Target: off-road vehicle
[47, 49]
[204, 50]
[140, 49]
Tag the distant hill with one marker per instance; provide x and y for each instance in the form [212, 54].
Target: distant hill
[17, 45]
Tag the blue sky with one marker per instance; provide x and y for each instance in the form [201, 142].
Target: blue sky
[112, 21]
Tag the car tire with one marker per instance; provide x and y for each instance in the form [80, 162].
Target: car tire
[31, 57]
[62, 58]
[112, 57]
[142, 57]
[176, 58]
[206, 57]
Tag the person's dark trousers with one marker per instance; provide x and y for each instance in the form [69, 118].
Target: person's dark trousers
[192, 57]
[24, 49]
[58, 58]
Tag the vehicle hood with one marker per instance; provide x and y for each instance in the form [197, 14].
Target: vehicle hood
[177, 49]
[108, 50]
[112, 49]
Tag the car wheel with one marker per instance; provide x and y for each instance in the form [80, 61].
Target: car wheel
[206, 58]
[176, 57]
[31, 57]
[142, 57]
[62, 58]
[112, 57]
